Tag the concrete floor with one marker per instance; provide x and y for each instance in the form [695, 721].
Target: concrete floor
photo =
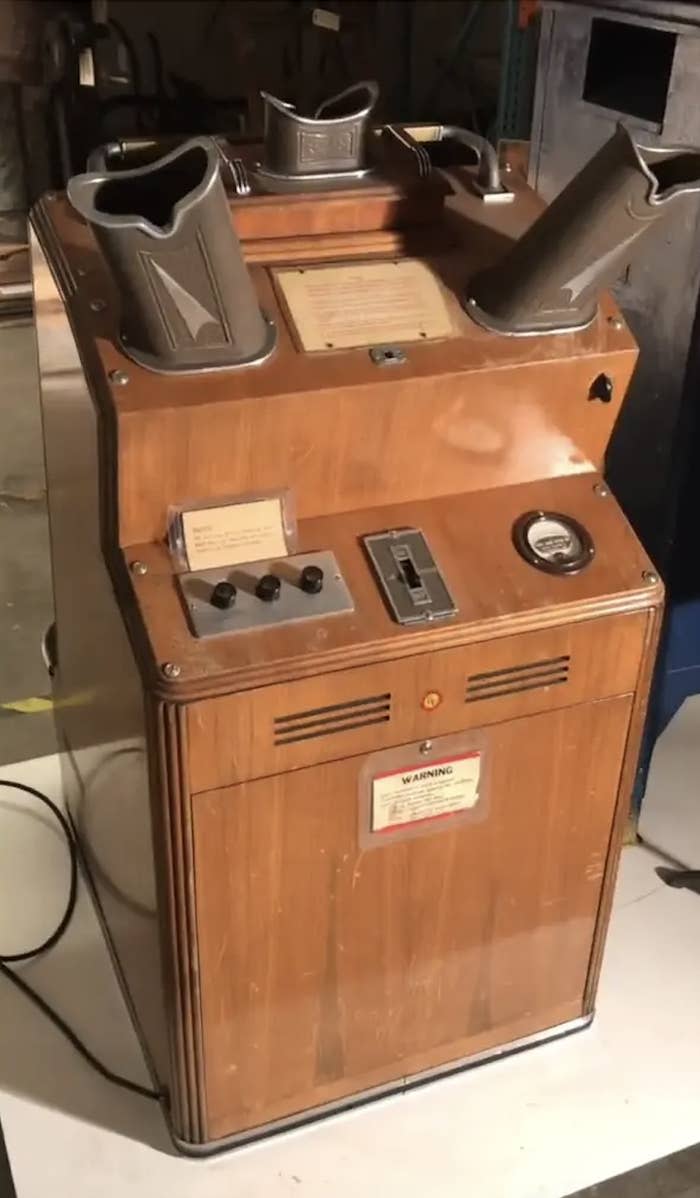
[26, 606]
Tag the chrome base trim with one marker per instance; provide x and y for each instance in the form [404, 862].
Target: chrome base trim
[263, 354]
[265, 182]
[493, 325]
[317, 177]
[400, 1086]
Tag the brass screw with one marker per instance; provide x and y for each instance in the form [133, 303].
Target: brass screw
[507, 166]
[615, 323]
[425, 747]
[650, 576]
[171, 669]
[602, 490]
[118, 377]
[139, 568]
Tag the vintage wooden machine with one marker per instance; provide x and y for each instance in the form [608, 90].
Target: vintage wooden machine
[354, 643]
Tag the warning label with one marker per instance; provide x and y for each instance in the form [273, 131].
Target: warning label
[431, 790]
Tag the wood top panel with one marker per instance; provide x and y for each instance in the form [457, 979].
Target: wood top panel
[497, 593]
[291, 371]
[469, 412]
[484, 231]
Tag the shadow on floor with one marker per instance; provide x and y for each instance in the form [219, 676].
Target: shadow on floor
[676, 1176]
[77, 980]
[26, 736]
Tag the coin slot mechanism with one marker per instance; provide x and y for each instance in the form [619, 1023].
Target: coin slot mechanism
[410, 580]
[409, 574]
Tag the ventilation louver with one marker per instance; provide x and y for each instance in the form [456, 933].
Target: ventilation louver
[326, 721]
[532, 675]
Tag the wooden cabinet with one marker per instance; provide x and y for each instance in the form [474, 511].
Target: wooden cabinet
[280, 962]
[327, 969]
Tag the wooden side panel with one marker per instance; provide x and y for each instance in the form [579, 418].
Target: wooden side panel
[381, 207]
[629, 773]
[99, 712]
[291, 725]
[327, 969]
[186, 1092]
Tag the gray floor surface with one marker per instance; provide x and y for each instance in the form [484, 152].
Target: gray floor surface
[676, 1176]
[26, 605]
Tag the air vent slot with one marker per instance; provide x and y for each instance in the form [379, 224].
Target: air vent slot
[326, 721]
[532, 675]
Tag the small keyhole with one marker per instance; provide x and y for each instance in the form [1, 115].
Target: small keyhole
[601, 388]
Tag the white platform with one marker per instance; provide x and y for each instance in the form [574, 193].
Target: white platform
[539, 1125]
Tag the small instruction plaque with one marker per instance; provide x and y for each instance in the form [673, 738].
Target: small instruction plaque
[367, 303]
[426, 792]
[233, 533]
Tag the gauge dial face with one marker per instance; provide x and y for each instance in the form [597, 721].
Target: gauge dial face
[553, 542]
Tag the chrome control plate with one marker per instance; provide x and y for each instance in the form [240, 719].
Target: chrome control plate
[249, 613]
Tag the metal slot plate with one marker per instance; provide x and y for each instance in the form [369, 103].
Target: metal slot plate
[410, 580]
[249, 613]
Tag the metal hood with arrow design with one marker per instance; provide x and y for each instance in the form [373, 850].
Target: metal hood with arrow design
[549, 281]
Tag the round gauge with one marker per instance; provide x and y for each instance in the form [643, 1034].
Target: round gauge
[552, 542]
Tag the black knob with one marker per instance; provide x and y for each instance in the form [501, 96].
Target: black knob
[223, 595]
[268, 588]
[601, 388]
[311, 580]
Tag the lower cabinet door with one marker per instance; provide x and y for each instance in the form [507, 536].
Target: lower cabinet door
[330, 963]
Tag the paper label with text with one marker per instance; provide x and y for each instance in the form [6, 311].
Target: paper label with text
[325, 19]
[426, 792]
[234, 533]
[368, 303]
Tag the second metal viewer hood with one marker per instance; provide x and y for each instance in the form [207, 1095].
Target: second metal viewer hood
[549, 281]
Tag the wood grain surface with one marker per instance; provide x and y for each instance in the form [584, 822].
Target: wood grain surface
[326, 969]
[384, 206]
[475, 411]
[299, 968]
[237, 737]
[497, 593]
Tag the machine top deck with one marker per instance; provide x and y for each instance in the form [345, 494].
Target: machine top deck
[383, 406]
[468, 410]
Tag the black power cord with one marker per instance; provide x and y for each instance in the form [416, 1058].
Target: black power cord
[8, 959]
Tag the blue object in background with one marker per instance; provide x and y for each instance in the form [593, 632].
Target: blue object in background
[677, 677]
